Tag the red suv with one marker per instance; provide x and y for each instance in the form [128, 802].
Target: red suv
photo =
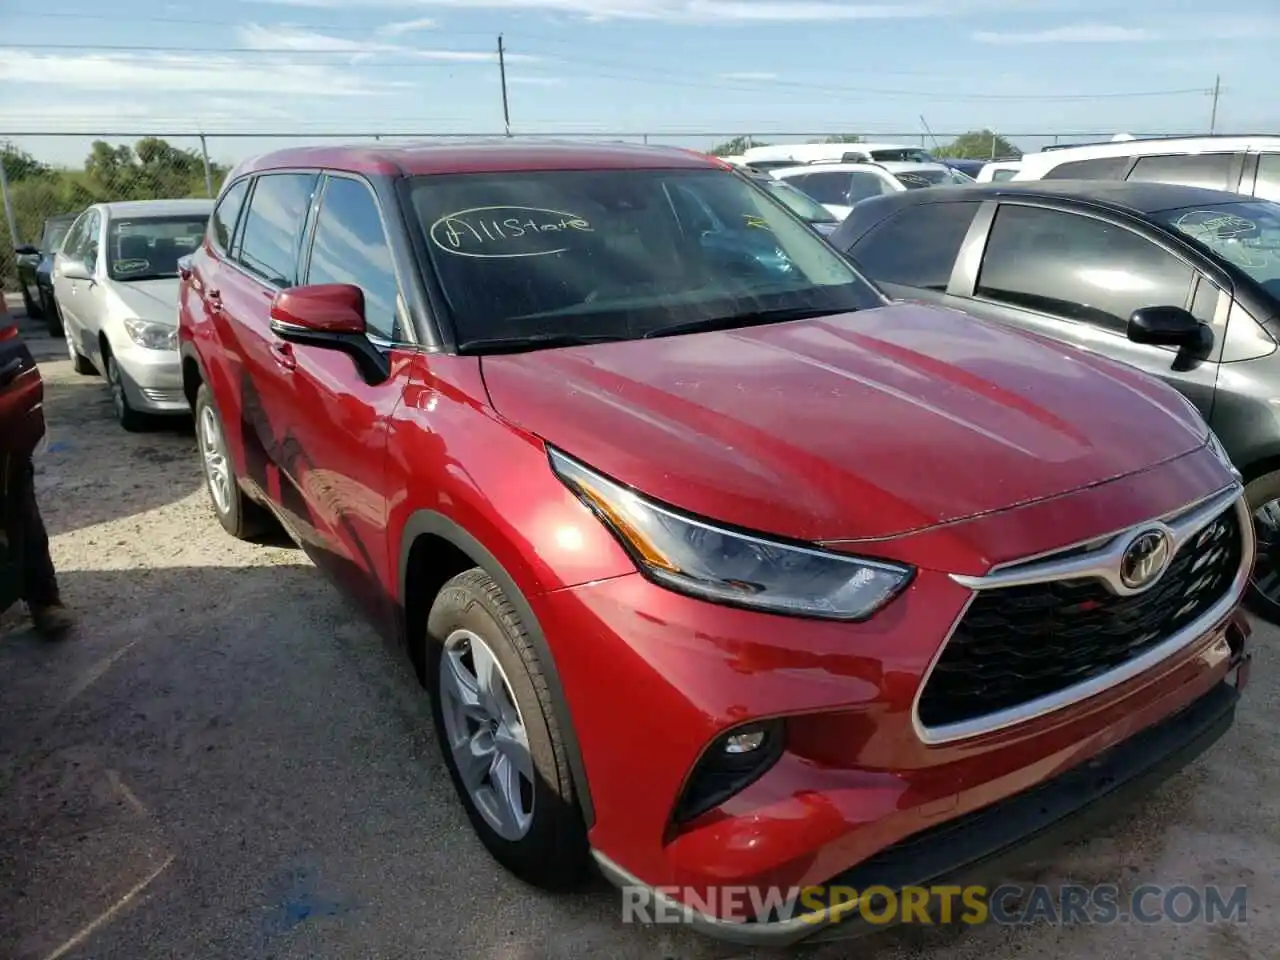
[720, 569]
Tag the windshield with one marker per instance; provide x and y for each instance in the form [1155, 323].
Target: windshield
[931, 177]
[54, 231]
[148, 248]
[800, 202]
[621, 254]
[906, 154]
[1246, 234]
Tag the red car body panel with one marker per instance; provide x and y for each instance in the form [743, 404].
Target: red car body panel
[906, 433]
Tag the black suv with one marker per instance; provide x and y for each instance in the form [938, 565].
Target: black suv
[1181, 282]
[35, 272]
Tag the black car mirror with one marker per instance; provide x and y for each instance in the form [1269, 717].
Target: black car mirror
[1165, 327]
[27, 250]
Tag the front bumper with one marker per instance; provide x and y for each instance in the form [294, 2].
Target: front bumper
[152, 379]
[977, 845]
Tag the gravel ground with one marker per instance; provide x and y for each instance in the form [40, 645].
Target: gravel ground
[225, 762]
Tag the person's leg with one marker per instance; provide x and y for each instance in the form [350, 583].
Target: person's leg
[39, 579]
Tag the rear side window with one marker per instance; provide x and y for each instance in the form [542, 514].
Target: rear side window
[223, 222]
[830, 187]
[1268, 185]
[350, 246]
[1100, 168]
[273, 226]
[918, 247]
[1077, 267]
[864, 185]
[1209, 170]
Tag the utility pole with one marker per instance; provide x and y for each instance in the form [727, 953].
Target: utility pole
[502, 69]
[1213, 115]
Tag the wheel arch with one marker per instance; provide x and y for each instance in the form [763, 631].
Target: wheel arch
[428, 528]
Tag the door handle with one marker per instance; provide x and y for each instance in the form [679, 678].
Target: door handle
[282, 353]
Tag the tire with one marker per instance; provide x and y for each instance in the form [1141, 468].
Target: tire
[238, 514]
[33, 309]
[471, 614]
[134, 421]
[79, 362]
[1263, 597]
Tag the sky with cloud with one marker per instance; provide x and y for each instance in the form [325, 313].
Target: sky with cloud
[690, 71]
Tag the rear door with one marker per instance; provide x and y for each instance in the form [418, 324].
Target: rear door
[1077, 277]
[262, 262]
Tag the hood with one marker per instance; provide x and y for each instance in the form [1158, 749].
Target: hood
[854, 426]
[152, 300]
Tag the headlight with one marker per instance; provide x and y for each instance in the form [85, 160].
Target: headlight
[153, 336]
[726, 566]
[1218, 450]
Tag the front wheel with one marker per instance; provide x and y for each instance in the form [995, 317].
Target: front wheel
[130, 419]
[496, 724]
[79, 362]
[1263, 497]
[238, 514]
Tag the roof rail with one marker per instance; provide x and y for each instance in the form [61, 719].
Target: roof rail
[1157, 138]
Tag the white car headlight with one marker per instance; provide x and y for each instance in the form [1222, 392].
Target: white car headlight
[699, 558]
[153, 336]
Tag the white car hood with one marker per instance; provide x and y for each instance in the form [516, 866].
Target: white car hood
[153, 300]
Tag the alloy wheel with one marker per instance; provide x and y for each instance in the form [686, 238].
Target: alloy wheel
[116, 384]
[486, 734]
[216, 468]
[1266, 566]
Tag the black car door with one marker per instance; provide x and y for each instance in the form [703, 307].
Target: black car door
[1078, 276]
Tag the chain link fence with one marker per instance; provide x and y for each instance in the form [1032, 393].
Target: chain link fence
[44, 176]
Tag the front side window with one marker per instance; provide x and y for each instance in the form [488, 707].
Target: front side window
[619, 254]
[74, 240]
[87, 251]
[1078, 267]
[273, 226]
[1246, 234]
[54, 233]
[350, 246]
[1099, 168]
[918, 247]
[148, 248]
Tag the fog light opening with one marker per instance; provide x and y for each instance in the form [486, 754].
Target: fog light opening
[746, 742]
[730, 764]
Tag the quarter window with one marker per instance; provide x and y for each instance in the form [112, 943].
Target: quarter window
[1099, 168]
[351, 247]
[1077, 267]
[918, 247]
[864, 185]
[223, 222]
[1268, 185]
[273, 226]
[1209, 170]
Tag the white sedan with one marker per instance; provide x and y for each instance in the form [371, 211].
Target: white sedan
[115, 281]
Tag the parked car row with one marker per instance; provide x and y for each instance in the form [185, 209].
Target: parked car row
[720, 564]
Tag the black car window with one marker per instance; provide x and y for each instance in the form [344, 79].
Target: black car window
[75, 236]
[1208, 170]
[273, 226]
[223, 222]
[864, 185]
[918, 247]
[1268, 185]
[350, 246]
[90, 242]
[1099, 168]
[1077, 267]
[54, 233]
[830, 187]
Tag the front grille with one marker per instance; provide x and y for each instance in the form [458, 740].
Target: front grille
[1017, 644]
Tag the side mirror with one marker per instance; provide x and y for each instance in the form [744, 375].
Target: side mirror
[27, 250]
[331, 316]
[185, 267]
[1165, 327]
[74, 269]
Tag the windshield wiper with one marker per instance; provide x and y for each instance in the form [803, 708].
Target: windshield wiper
[537, 341]
[755, 318]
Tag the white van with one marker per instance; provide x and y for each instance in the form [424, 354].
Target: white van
[794, 154]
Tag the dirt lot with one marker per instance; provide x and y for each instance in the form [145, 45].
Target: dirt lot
[226, 762]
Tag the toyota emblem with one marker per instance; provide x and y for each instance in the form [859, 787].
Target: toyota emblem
[1144, 559]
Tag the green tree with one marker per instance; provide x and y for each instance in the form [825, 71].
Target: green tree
[979, 145]
[20, 165]
[736, 146]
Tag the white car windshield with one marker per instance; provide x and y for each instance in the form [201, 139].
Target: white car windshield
[620, 254]
[148, 248]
